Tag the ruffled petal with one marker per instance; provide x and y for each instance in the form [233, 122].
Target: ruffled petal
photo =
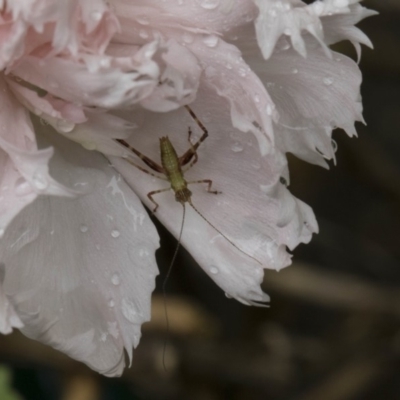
[313, 96]
[293, 18]
[255, 210]
[51, 27]
[81, 271]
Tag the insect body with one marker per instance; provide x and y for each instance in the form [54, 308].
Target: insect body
[173, 167]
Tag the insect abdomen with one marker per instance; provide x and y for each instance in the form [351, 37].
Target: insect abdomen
[170, 163]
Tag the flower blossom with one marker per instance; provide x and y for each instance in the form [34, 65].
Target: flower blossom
[80, 78]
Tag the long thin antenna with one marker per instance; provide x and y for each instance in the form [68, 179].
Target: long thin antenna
[164, 285]
[230, 241]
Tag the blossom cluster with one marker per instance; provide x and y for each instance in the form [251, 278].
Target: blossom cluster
[77, 264]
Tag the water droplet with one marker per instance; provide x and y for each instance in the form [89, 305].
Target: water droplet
[208, 4]
[115, 279]
[211, 41]
[229, 66]
[22, 187]
[269, 110]
[142, 20]
[295, 70]
[242, 72]
[1, 232]
[237, 147]
[214, 270]
[65, 126]
[257, 98]
[111, 303]
[40, 182]
[115, 233]
[143, 34]
[283, 181]
[96, 15]
[89, 145]
[105, 62]
[228, 296]
[129, 310]
[328, 81]
[334, 145]
[83, 228]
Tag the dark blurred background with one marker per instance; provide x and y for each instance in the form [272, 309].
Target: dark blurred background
[333, 329]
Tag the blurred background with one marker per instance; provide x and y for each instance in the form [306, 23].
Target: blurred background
[333, 329]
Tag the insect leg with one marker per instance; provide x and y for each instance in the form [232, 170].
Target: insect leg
[153, 165]
[189, 154]
[209, 184]
[194, 161]
[144, 169]
[151, 194]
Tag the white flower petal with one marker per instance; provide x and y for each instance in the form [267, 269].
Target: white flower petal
[255, 211]
[313, 96]
[228, 75]
[81, 271]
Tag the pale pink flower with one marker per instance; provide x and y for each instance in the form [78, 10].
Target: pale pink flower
[77, 247]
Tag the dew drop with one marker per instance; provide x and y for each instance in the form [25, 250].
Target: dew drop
[96, 15]
[229, 66]
[211, 41]
[115, 233]
[334, 145]
[269, 110]
[65, 126]
[257, 98]
[83, 228]
[22, 187]
[237, 147]
[1, 232]
[129, 310]
[142, 20]
[89, 145]
[295, 70]
[214, 270]
[39, 181]
[111, 303]
[328, 81]
[242, 72]
[209, 4]
[115, 279]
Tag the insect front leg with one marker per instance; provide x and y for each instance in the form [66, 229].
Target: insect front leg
[209, 184]
[151, 194]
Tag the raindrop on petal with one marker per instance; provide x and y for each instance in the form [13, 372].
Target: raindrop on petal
[208, 4]
[115, 233]
[83, 228]
[214, 270]
[211, 41]
[39, 181]
[115, 279]
[237, 147]
[328, 81]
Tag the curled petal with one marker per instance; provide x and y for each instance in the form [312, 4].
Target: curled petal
[82, 270]
[107, 87]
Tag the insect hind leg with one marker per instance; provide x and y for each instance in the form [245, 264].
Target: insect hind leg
[192, 152]
[209, 185]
